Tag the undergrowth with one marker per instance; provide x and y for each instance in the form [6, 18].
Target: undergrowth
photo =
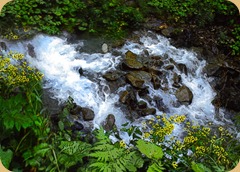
[116, 18]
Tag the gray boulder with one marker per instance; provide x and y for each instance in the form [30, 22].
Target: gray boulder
[184, 95]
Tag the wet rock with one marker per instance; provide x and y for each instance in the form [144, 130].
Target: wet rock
[80, 71]
[176, 80]
[148, 111]
[3, 47]
[212, 70]
[160, 105]
[112, 75]
[87, 114]
[156, 82]
[76, 110]
[128, 97]
[114, 85]
[227, 84]
[184, 95]
[109, 123]
[131, 61]
[142, 104]
[182, 68]
[31, 51]
[104, 48]
[51, 105]
[124, 97]
[167, 31]
[143, 92]
[154, 71]
[169, 67]
[138, 78]
[151, 62]
[145, 53]
[77, 126]
[153, 24]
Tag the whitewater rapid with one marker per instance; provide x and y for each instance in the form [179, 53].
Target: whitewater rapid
[60, 62]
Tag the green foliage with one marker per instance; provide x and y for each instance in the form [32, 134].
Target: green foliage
[15, 112]
[108, 157]
[235, 46]
[113, 18]
[72, 15]
[57, 156]
[6, 157]
[16, 74]
[199, 12]
[213, 145]
[198, 167]
[151, 150]
[72, 152]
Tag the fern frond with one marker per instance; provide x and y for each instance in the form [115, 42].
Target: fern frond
[72, 152]
[102, 137]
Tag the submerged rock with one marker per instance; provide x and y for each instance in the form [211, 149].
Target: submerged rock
[184, 95]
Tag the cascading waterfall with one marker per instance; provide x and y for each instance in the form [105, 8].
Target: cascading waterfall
[60, 61]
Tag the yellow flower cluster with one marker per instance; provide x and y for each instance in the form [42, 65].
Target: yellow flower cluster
[122, 144]
[178, 118]
[205, 143]
[189, 139]
[11, 36]
[220, 153]
[15, 72]
[174, 164]
[162, 126]
[200, 150]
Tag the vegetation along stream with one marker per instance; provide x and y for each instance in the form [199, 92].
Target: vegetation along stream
[117, 86]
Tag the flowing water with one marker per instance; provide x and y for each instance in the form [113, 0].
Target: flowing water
[60, 61]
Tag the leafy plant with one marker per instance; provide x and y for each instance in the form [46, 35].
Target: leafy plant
[198, 167]
[109, 157]
[6, 157]
[153, 152]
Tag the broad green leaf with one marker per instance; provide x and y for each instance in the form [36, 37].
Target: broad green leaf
[151, 150]
[155, 168]
[6, 157]
[61, 125]
[41, 149]
[198, 167]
